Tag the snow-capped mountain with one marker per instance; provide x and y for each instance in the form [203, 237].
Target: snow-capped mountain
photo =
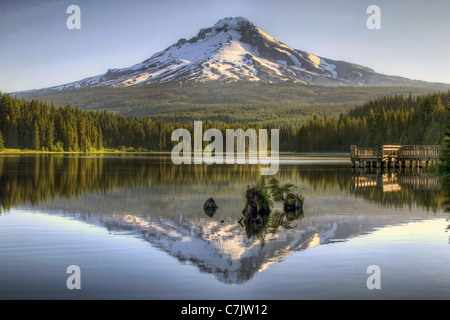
[235, 49]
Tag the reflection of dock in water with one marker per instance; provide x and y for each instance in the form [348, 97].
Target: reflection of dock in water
[394, 181]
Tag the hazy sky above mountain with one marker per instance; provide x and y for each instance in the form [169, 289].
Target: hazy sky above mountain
[38, 50]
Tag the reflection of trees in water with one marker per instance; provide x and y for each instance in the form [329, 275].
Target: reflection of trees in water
[446, 204]
[399, 189]
[37, 178]
[318, 177]
[34, 179]
[389, 189]
[446, 190]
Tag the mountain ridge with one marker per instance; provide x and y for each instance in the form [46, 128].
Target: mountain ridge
[234, 49]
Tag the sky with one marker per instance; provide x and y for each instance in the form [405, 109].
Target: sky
[38, 50]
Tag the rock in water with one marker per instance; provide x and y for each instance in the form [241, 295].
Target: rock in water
[210, 207]
[293, 203]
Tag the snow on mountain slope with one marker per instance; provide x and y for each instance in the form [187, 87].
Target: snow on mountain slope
[235, 49]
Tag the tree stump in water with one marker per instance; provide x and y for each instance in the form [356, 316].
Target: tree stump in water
[253, 213]
[293, 203]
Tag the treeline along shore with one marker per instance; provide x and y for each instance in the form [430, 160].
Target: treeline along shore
[398, 119]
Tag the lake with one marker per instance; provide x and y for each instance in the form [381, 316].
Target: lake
[136, 228]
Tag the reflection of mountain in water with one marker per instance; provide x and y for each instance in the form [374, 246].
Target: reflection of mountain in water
[223, 248]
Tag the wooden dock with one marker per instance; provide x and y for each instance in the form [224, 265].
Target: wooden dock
[395, 156]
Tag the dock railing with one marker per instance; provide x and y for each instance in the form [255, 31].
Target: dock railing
[395, 155]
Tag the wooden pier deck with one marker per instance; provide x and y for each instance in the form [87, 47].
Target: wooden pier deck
[395, 156]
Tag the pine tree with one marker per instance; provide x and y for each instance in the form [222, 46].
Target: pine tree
[2, 147]
[50, 136]
[82, 136]
[35, 140]
[99, 143]
[445, 154]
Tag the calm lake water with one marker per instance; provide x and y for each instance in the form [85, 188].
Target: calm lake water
[136, 227]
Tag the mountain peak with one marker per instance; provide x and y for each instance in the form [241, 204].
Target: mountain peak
[232, 22]
[233, 27]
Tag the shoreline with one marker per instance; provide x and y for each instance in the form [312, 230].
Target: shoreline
[285, 153]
